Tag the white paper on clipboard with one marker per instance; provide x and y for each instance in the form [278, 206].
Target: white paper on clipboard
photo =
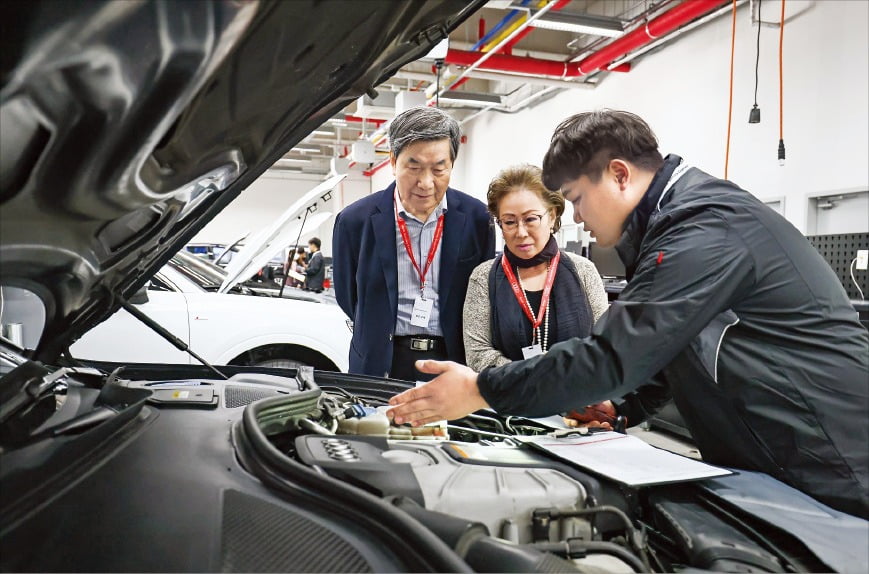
[625, 458]
[295, 275]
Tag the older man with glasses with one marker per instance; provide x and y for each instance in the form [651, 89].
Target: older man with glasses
[402, 256]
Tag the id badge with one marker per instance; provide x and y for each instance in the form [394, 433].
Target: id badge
[532, 351]
[421, 312]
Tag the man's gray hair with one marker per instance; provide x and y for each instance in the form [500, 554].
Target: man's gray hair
[423, 124]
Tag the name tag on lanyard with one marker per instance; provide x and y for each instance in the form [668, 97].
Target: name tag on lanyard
[421, 314]
[532, 351]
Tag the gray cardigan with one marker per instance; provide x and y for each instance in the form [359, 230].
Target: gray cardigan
[479, 352]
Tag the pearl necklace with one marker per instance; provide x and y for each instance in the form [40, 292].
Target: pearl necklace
[535, 333]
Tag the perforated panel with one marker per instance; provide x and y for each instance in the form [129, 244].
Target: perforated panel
[839, 250]
[236, 396]
[259, 536]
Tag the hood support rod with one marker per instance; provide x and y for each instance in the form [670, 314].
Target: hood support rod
[160, 330]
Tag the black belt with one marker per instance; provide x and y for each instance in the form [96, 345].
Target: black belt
[421, 342]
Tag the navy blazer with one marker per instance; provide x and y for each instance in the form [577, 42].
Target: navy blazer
[365, 272]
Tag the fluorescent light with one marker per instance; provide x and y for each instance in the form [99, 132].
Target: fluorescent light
[292, 160]
[580, 24]
[306, 149]
[322, 133]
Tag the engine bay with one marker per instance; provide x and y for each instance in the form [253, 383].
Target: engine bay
[472, 484]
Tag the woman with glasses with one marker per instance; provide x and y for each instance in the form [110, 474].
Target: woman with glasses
[520, 304]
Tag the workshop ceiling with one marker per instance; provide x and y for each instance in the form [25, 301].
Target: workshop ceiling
[530, 62]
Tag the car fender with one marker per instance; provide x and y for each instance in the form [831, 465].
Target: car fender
[335, 355]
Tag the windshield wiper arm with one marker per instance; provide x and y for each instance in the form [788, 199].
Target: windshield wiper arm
[160, 330]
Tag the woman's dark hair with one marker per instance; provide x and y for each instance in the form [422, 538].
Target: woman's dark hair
[528, 177]
[584, 144]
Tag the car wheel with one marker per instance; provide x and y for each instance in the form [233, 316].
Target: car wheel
[280, 364]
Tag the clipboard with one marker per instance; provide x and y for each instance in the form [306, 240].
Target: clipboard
[624, 458]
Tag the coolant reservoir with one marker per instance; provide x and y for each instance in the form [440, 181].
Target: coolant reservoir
[378, 424]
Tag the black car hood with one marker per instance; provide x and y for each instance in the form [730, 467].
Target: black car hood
[128, 125]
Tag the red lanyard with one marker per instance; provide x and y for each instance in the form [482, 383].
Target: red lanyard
[547, 289]
[435, 242]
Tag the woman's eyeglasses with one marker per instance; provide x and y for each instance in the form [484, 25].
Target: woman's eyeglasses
[531, 222]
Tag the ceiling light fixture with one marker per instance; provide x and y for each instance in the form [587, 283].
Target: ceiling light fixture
[305, 149]
[322, 133]
[293, 160]
[580, 24]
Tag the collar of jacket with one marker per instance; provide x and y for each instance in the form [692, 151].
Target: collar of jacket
[628, 246]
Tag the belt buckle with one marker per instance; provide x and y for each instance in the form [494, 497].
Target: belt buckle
[419, 344]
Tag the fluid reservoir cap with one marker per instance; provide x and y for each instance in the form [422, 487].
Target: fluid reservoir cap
[406, 457]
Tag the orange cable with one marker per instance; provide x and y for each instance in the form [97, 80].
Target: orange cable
[730, 104]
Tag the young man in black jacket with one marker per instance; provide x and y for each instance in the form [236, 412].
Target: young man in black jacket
[315, 272]
[727, 303]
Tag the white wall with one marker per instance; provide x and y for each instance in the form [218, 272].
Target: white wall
[267, 197]
[682, 92]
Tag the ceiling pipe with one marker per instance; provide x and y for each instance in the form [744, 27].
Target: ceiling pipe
[520, 78]
[500, 45]
[519, 64]
[676, 34]
[655, 28]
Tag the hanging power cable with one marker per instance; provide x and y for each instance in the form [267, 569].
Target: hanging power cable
[730, 103]
[754, 114]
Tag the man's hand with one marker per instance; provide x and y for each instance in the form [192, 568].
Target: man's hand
[451, 395]
[598, 415]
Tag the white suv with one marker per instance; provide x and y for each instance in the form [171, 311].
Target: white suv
[234, 328]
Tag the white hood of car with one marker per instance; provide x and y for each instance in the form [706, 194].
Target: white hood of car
[301, 217]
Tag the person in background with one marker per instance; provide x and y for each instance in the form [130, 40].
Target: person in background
[403, 255]
[535, 296]
[315, 270]
[296, 264]
[726, 301]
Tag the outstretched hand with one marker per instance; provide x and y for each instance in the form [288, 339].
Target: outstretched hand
[449, 396]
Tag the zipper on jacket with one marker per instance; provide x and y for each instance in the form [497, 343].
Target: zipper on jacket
[718, 348]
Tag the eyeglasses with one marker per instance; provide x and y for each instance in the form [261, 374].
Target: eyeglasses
[531, 222]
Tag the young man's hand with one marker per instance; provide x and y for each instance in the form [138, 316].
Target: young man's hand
[451, 395]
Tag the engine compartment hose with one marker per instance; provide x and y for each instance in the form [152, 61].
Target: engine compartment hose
[576, 548]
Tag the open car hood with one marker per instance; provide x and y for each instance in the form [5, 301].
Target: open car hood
[280, 233]
[127, 126]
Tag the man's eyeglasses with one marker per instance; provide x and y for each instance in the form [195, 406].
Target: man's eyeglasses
[531, 222]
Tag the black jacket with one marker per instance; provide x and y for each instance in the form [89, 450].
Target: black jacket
[315, 273]
[734, 309]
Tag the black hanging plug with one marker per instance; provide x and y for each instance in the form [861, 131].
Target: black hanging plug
[754, 115]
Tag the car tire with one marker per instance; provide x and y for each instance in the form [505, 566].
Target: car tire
[280, 364]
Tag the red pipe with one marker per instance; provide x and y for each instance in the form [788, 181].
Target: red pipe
[376, 168]
[663, 24]
[369, 120]
[681, 14]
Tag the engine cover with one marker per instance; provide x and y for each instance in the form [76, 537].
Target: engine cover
[499, 486]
